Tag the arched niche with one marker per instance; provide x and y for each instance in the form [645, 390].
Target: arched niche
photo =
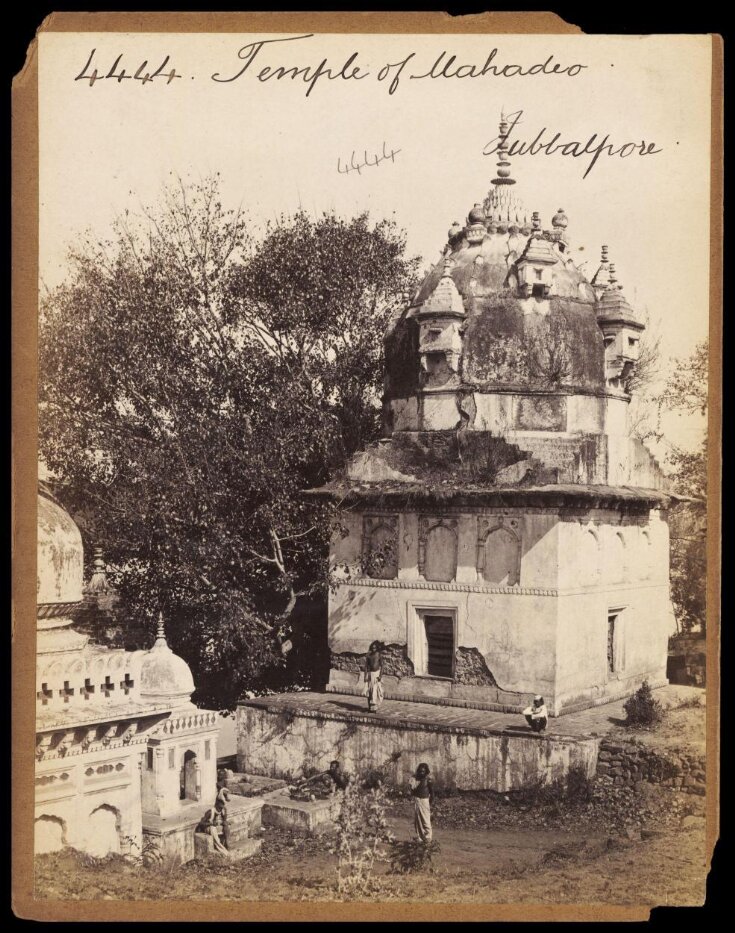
[382, 559]
[617, 558]
[646, 555]
[103, 831]
[500, 557]
[589, 564]
[438, 550]
[49, 834]
[190, 776]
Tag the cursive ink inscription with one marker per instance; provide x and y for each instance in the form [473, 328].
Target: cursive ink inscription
[357, 166]
[547, 142]
[118, 72]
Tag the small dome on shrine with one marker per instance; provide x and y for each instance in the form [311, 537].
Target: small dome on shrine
[476, 215]
[164, 676]
[60, 565]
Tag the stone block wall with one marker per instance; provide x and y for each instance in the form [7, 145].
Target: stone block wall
[630, 763]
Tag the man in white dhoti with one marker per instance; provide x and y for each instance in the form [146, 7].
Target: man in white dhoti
[373, 689]
[423, 795]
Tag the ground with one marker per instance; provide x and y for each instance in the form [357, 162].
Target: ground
[601, 844]
[623, 847]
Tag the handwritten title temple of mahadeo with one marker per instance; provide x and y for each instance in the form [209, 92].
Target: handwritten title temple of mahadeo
[508, 536]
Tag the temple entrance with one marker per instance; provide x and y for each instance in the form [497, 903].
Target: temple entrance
[190, 781]
[432, 640]
[440, 645]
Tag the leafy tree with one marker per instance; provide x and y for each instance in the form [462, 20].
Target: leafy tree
[193, 380]
[685, 391]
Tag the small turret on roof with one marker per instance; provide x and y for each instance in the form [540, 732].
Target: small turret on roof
[445, 299]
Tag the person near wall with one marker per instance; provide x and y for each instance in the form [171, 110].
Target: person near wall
[212, 825]
[340, 778]
[423, 794]
[374, 676]
[536, 714]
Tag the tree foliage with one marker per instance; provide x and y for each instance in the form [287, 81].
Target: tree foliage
[194, 378]
[685, 391]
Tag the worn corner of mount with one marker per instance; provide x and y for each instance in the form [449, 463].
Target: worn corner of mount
[21, 77]
[531, 21]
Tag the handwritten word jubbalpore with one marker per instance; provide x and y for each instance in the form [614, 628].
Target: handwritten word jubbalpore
[445, 65]
[547, 142]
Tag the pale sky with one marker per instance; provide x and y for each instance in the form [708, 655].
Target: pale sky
[111, 146]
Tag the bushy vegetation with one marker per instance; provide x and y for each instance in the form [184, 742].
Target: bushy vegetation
[643, 709]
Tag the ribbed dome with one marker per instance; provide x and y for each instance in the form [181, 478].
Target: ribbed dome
[508, 338]
[60, 566]
[164, 676]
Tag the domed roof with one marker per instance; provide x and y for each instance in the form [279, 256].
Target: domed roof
[60, 566]
[164, 675]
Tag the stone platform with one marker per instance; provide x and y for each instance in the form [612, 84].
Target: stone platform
[285, 735]
[307, 816]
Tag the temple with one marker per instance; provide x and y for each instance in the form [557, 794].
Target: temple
[124, 760]
[508, 535]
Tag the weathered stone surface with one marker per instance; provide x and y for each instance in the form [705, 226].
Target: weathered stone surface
[277, 744]
[308, 816]
[470, 668]
[395, 661]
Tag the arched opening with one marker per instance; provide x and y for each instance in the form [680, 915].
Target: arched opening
[501, 558]
[440, 563]
[49, 834]
[617, 559]
[646, 555]
[382, 560]
[190, 777]
[590, 563]
[103, 831]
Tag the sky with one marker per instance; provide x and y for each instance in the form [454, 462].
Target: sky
[110, 145]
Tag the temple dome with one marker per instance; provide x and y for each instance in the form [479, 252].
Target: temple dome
[60, 566]
[504, 328]
[164, 676]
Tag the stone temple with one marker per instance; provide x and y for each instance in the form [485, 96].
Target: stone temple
[508, 536]
[123, 757]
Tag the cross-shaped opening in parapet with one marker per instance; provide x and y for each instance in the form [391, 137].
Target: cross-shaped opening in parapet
[107, 687]
[67, 693]
[127, 684]
[44, 694]
[88, 689]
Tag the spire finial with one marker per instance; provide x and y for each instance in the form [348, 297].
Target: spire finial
[613, 280]
[603, 257]
[160, 633]
[503, 161]
[447, 271]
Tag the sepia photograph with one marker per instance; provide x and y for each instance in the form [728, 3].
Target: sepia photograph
[369, 367]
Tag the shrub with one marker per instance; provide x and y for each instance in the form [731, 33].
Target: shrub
[643, 709]
[362, 836]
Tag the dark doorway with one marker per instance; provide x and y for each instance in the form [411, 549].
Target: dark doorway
[440, 642]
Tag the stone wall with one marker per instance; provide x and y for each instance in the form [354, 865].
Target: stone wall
[286, 743]
[630, 763]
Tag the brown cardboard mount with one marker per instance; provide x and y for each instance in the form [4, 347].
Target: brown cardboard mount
[24, 472]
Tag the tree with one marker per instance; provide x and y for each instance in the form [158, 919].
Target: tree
[685, 391]
[191, 385]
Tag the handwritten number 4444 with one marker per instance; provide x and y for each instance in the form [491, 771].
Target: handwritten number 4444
[119, 74]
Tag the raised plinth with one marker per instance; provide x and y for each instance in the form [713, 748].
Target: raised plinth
[287, 734]
[307, 816]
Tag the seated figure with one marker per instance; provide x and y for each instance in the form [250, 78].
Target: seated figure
[536, 714]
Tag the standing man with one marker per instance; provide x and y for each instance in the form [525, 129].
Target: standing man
[423, 795]
[373, 677]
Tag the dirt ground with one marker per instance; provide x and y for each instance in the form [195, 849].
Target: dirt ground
[491, 850]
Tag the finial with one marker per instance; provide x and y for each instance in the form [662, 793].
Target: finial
[503, 163]
[160, 641]
[603, 257]
[536, 222]
[98, 581]
[447, 271]
[613, 278]
[477, 214]
[454, 230]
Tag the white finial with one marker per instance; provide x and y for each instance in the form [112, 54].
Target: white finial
[160, 633]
